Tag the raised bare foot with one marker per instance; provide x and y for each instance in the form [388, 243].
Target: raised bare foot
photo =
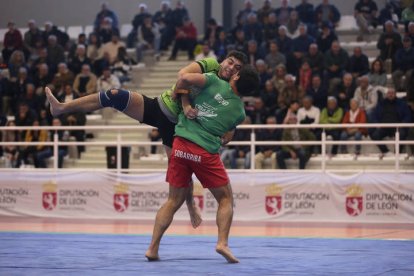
[55, 105]
[195, 214]
[151, 256]
[226, 253]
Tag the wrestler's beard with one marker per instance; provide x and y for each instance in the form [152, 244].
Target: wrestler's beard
[221, 69]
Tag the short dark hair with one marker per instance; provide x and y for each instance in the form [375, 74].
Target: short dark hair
[238, 55]
[248, 81]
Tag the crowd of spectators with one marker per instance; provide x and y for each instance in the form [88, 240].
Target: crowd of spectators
[306, 76]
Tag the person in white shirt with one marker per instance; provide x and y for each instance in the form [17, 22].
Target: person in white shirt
[309, 114]
[112, 47]
[206, 52]
[108, 80]
[366, 96]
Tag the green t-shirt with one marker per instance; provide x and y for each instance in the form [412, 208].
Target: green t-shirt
[219, 111]
[207, 65]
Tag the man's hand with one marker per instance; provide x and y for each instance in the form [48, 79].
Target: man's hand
[190, 112]
[293, 154]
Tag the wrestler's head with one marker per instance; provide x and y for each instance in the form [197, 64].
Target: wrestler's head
[232, 64]
[246, 81]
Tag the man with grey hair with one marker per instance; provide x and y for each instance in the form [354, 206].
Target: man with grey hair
[284, 42]
[366, 96]
[388, 43]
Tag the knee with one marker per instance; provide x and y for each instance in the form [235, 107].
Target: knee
[115, 98]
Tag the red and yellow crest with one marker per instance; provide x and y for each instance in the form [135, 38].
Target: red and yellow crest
[354, 201]
[121, 197]
[49, 196]
[273, 201]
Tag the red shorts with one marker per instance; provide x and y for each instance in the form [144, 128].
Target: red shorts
[188, 158]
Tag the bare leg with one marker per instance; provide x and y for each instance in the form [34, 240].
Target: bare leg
[194, 211]
[164, 218]
[135, 108]
[224, 197]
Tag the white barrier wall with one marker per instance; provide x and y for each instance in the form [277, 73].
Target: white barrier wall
[292, 196]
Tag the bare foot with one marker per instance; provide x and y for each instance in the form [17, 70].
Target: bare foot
[226, 253]
[195, 214]
[151, 256]
[55, 105]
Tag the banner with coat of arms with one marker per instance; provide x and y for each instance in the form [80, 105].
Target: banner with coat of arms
[364, 197]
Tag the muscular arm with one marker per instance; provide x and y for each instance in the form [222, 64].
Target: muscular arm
[193, 67]
[191, 79]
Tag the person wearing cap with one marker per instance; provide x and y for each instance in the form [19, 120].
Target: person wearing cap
[185, 39]
[105, 12]
[296, 151]
[332, 114]
[404, 65]
[12, 41]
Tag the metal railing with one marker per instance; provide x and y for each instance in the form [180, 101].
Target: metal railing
[119, 142]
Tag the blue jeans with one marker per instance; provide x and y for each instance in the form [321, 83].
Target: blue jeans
[41, 156]
[357, 136]
[231, 155]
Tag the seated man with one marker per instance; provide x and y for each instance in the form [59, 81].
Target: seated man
[265, 152]
[295, 151]
[404, 65]
[217, 110]
[390, 110]
[365, 12]
[355, 115]
[366, 96]
[332, 114]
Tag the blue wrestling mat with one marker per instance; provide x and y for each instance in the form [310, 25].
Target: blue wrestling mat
[87, 254]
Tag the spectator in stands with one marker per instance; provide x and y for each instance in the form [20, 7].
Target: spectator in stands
[390, 110]
[264, 11]
[317, 92]
[310, 114]
[232, 153]
[283, 12]
[244, 13]
[326, 37]
[18, 85]
[278, 78]
[239, 43]
[283, 41]
[62, 38]
[47, 152]
[55, 53]
[5, 94]
[410, 32]
[139, 18]
[284, 114]
[102, 63]
[33, 100]
[206, 52]
[345, 91]
[257, 112]
[388, 43]
[220, 46]
[264, 74]
[358, 63]
[33, 38]
[73, 119]
[387, 14]
[270, 28]
[294, 151]
[62, 77]
[336, 60]
[123, 65]
[179, 13]
[266, 152]
[185, 39]
[85, 81]
[377, 75]
[16, 62]
[290, 93]
[212, 31]
[106, 31]
[355, 115]
[327, 12]
[41, 58]
[42, 78]
[12, 41]
[24, 117]
[332, 114]
[365, 13]
[367, 97]
[112, 47]
[80, 59]
[404, 65]
[253, 30]
[306, 13]
[292, 25]
[274, 57]
[304, 78]
[253, 52]
[11, 152]
[105, 13]
[300, 47]
[149, 38]
[28, 153]
[315, 58]
[407, 15]
[269, 96]
[108, 80]
[94, 50]
[163, 18]
[74, 47]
